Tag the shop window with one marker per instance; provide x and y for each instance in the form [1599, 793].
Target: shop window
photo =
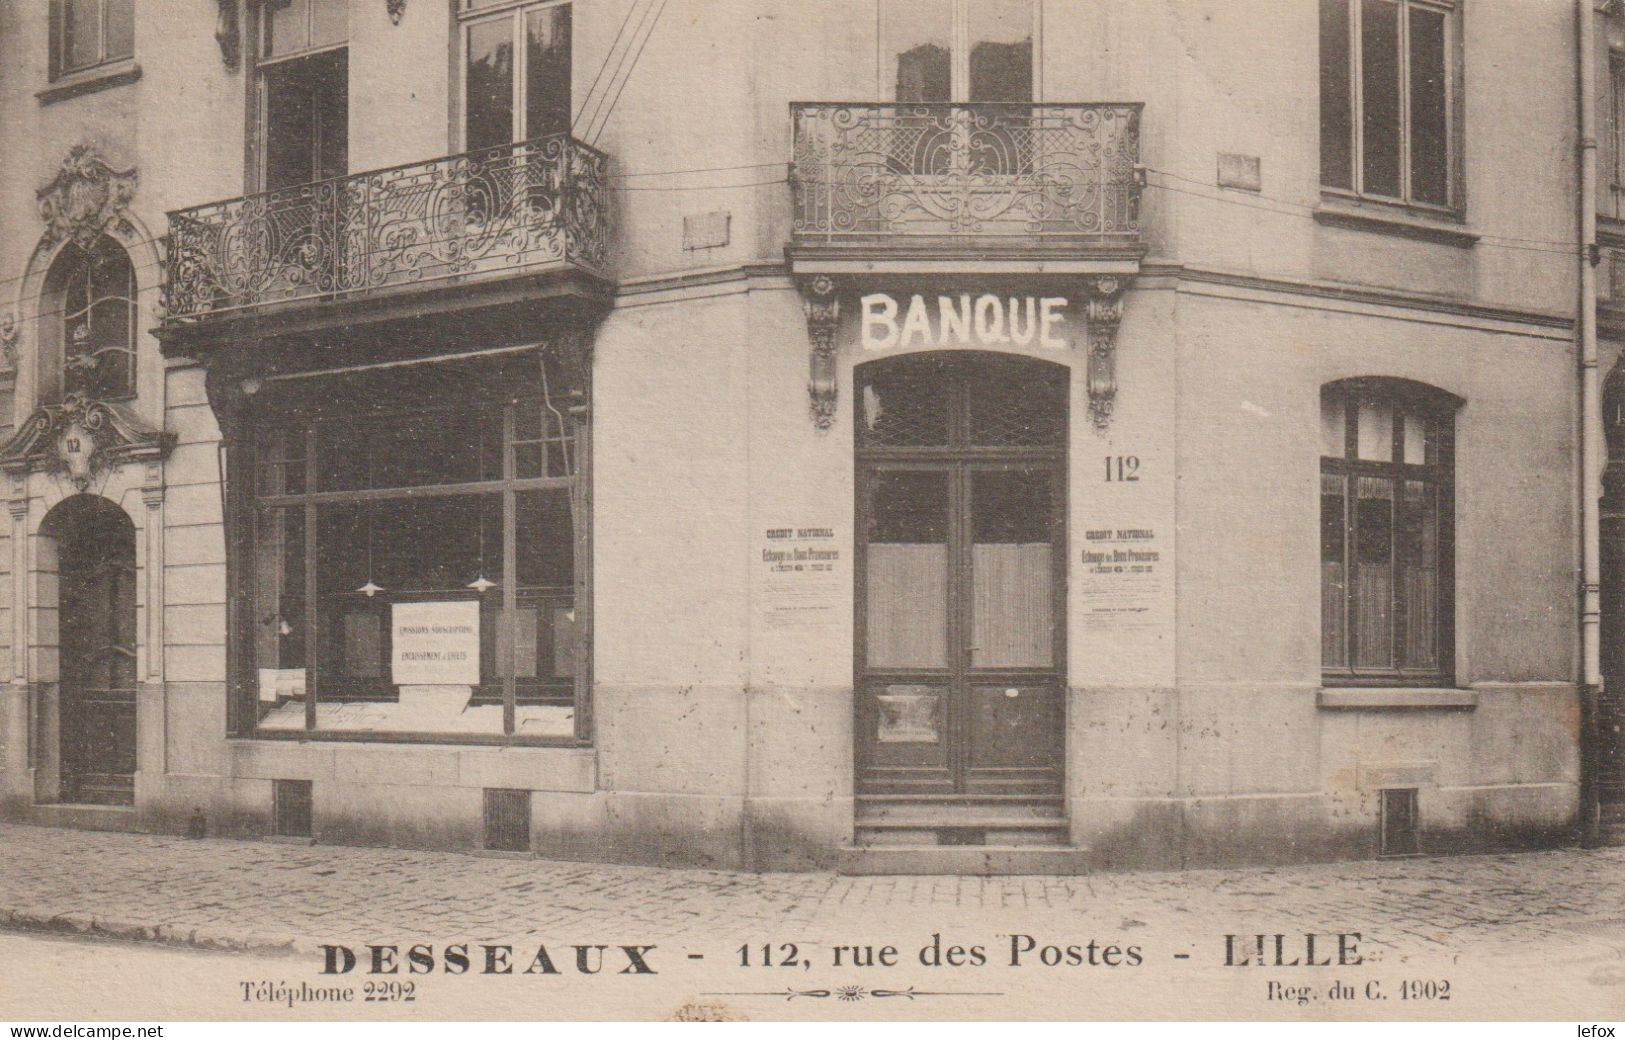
[89, 346]
[1387, 533]
[88, 33]
[416, 554]
[1387, 86]
[516, 72]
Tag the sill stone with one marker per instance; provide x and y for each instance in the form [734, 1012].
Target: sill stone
[88, 81]
[1393, 220]
[1355, 698]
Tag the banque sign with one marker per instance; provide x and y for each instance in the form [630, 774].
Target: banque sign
[966, 319]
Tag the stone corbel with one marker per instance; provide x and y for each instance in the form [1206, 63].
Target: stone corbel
[1105, 313]
[9, 333]
[396, 8]
[822, 303]
[227, 34]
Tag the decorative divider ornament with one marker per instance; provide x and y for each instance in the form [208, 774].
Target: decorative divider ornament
[84, 199]
[536, 203]
[1105, 314]
[82, 438]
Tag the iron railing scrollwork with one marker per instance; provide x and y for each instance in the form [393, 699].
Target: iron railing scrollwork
[536, 203]
[967, 171]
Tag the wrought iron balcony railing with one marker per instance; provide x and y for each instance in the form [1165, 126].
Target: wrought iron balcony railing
[512, 208]
[1042, 175]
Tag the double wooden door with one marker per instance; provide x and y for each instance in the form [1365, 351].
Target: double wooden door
[961, 692]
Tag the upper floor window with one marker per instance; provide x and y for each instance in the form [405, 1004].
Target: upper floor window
[516, 71]
[959, 50]
[90, 348]
[1387, 532]
[1616, 133]
[87, 33]
[1387, 79]
[304, 92]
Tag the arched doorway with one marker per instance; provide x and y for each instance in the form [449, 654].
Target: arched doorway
[960, 638]
[96, 580]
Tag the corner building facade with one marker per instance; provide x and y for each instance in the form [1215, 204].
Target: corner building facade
[562, 427]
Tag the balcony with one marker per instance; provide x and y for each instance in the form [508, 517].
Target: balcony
[444, 228]
[1012, 187]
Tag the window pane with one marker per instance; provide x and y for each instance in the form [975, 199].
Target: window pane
[1419, 575]
[1333, 572]
[1430, 147]
[329, 22]
[1373, 572]
[81, 33]
[547, 95]
[488, 85]
[907, 571]
[120, 29]
[1416, 440]
[1001, 50]
[1336, 101]
[1017, 404]
[1379, 94]
[287, 28]
[1333, 418]
[1012, 611]
[545, 541]
[917, 37]
[1376, 431]
[905, 404]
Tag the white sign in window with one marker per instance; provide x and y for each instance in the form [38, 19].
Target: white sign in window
[435, 644]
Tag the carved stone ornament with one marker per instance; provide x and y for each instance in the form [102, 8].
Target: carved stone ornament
[228, 35]
[396, 9]
[82, 438]
[85, 198]
[8, 341]
[822, 304]
[1105, 313]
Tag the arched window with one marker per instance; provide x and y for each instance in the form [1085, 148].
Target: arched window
[1387, 507]
[88, 345]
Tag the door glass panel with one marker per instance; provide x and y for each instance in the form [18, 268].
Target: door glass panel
[1375, 441]
[1017, 405]
[488, 86]
[917, 37]
[1011, 568]
[1001, 50]
[907, 570]
[909, 714]
[547, 95]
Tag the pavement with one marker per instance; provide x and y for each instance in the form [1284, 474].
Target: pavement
[265, 897]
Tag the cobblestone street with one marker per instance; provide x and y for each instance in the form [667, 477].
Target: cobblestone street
[264, 896]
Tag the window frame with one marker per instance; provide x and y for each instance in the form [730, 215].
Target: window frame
[959, 48]
[1455, 188]
[59, 67]
[1437, 409]
[55, 346]
[515, 11]
[304, 411]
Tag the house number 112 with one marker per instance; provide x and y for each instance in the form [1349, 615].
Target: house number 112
[1122, 468]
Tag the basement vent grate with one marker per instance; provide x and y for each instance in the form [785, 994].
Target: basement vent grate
[290, 808]
[1399, 822]
[507, 820]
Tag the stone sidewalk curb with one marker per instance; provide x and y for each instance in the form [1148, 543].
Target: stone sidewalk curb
[90, 926]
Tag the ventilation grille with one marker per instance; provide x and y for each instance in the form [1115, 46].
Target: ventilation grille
[290, 808]
[507, 820]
